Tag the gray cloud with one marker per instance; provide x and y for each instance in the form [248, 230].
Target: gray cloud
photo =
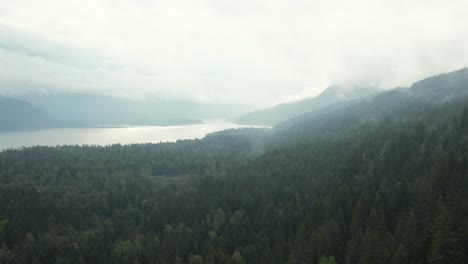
[258, 52]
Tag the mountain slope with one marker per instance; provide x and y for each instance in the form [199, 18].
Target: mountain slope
[279, 113]
[18, 115]
[447, 91]
[310, 115]
[383, 181]
[444, 85]
[105, 110]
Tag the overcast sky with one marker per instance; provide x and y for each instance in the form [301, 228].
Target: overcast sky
[240, 51]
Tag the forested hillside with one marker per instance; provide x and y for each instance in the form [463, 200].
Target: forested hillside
[385, 181]
[334, 97]
[431, 100]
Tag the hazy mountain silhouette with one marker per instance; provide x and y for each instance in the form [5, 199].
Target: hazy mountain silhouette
[18, 115]
[106, 110]
[280, 113]
[449, 91]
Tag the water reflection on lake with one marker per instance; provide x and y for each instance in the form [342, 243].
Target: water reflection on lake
[106, 136]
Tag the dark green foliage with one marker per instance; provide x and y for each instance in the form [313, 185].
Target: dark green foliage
[392, 188]
[383, 195]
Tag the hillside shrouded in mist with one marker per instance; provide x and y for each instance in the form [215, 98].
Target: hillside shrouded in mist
[380, 180]
[383, 179]
[234, 132]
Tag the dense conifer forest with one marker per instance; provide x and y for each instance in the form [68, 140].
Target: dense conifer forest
[382, 181]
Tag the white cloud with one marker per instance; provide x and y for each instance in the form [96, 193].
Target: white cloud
[226, 50]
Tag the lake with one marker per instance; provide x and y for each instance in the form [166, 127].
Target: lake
[107, 136]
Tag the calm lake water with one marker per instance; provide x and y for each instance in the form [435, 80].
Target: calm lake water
[106, 136]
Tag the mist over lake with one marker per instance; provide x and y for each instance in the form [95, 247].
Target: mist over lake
[111, 135]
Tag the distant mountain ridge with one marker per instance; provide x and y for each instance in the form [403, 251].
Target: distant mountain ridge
[436, 86]
[448, 91]
[282, 112]
[332, 105]
[19, 115]
[35, 112]
[107, 110]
